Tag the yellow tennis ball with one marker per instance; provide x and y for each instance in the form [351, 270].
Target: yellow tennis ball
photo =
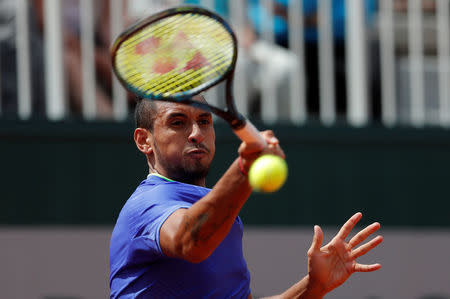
[268, 173]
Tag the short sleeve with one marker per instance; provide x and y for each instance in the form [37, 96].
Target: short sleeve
[150, 211]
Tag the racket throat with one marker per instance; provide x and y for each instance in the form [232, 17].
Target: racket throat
[237, 123]
[234, 118]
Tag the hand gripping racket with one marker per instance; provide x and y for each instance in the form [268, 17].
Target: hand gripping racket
[178, 53]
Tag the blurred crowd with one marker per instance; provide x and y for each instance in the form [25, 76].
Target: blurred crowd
[70, 14]
[254, 49]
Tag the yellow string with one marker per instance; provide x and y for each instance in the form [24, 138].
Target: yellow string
[179, 39]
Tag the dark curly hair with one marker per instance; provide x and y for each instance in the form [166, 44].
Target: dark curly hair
[145, 114]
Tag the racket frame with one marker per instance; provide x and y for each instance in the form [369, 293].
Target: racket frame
[230, 115]
[243, 128]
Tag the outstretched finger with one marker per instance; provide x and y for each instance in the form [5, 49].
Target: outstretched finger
[363, 249]
[348, 226]
[362, 235]
[317, 239]
[367, 268]
[270, 138]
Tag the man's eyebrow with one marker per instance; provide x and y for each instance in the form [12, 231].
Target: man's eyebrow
[206, 114]
[181, 114]
[176, 114]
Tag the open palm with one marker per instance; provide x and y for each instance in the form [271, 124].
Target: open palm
[331, 265]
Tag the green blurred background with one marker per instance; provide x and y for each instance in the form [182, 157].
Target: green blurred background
[81, 173]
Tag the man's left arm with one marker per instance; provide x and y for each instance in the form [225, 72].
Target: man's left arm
[331, 265]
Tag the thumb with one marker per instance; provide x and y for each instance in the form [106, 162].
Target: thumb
[317, 239]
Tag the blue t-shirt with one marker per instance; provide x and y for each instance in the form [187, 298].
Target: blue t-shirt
[139, 268]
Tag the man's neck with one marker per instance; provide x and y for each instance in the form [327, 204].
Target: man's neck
[198, 182]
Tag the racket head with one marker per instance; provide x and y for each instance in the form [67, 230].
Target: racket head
[175, 54]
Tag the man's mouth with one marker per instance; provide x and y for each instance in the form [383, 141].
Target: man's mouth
[198, 152]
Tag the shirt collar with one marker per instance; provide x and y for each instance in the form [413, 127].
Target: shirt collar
[160, 176]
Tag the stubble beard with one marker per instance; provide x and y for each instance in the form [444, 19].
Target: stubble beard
[189, 173]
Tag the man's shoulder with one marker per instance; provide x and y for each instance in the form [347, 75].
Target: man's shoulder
[151, 199]
[153, 182]
[155, 189]
[155, 198]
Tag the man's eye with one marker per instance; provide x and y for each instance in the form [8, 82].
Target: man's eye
[205, 121]
[177, 123]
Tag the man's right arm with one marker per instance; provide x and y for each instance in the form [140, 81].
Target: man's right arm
[194, 233]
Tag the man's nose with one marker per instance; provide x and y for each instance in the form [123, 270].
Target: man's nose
[196, 135]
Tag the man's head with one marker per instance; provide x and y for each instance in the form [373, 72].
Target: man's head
[177, 139]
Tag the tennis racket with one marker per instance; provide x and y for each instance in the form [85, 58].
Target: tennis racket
[178, 53]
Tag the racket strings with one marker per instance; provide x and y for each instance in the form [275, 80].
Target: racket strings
[217, 60]
[179, 79]
[190, 76]
[188, 81]
[203, 34]
[192, 79]
[161, 28]
[166, 28]
[130, 52]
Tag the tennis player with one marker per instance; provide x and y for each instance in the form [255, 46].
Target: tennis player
[174, 238]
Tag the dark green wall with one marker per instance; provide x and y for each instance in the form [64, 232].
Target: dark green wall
[82, 173]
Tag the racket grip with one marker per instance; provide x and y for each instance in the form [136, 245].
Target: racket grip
[250, 134]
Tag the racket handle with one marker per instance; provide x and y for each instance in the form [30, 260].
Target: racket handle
[250, 134]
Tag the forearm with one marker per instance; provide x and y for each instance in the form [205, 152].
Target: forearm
[301, 290]
[205, 224]
[194, 233]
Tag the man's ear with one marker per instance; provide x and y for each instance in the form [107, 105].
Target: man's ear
[143, 139]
